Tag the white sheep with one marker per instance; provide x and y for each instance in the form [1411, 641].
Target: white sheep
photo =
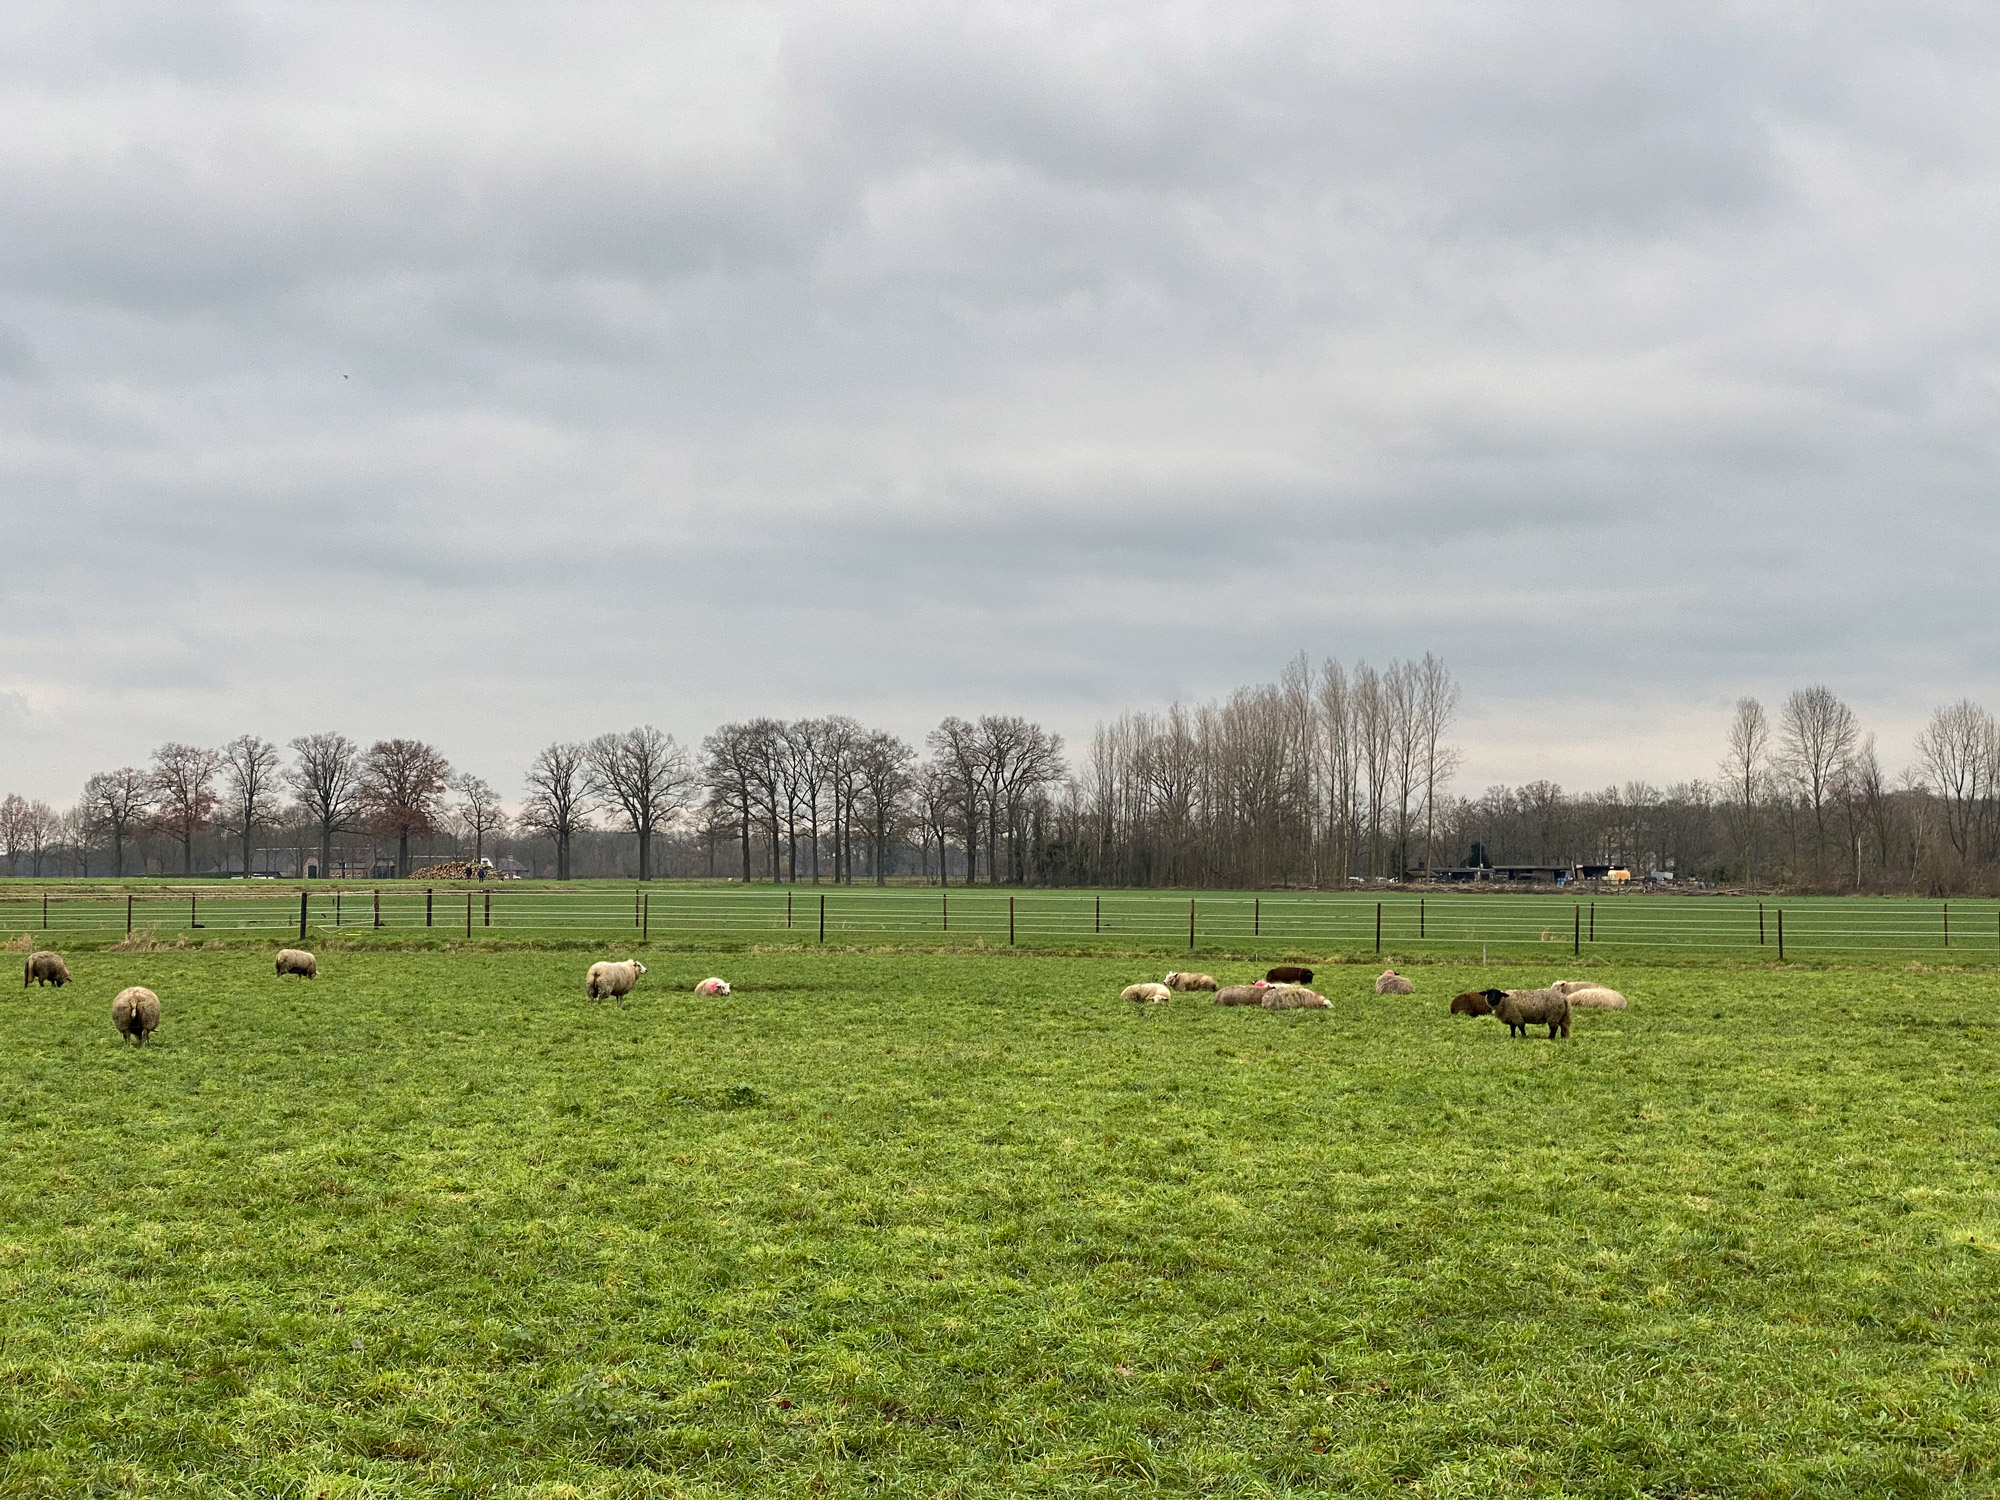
[297, 961]
[609, 981]
[712, 986]
[136, 1014]
[1180, 981]
[1294, 997]
[45, 967]
[1588, 994]
[1389, 982]
[1146, 994]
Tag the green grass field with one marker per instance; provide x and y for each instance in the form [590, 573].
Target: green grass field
[966, 1224]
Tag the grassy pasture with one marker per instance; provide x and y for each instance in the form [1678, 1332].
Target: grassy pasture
[937, 1224]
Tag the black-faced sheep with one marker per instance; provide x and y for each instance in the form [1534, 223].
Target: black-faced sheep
[136, 1014]
[1294, 997]
[1389, 982]
[1476, 1002]
[1179, 981]
[45, 968]
[1587, 994]
[1521, 1009]
[297, 961]
[609, 981]
[1241, 994]
[1288, 974]
[1146, 994]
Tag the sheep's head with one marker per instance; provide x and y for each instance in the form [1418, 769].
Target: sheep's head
[637, 967]
[1494, 997]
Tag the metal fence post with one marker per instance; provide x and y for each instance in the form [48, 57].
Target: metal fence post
[378, 908]
[946, 898]
[788, 911]
[645, 917]
[1947, 924]
[1256, 916]
[45, 911]
[194, 922]
[427, 906]
[1190, 924]
[1576, 938]
[1423, 930]
[468, 914]
[1100, 915]
[1010, 921]
[1593, 921]
[128, 915]
[1378, 926]
[1781, 934]
[489, 908]
[822, 917]
[302, 916]
[1760, 924]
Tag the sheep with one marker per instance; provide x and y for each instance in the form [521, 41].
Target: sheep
[297, 961]
[44, 968]
[136, 1014]
[712, 986]
[1241, 994]
[1521, 1009]
[1180, 981]
[1146, 994]
[1294, 997]
[608, 981]
[1476, 1002]
[1389, 982]
[1288, 974]
[1587, 994]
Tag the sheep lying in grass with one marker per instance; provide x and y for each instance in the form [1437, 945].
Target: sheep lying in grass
[297, 961]
[1294, 997]
[1476, 1002]
[1587, 994]
[712, 986]
[1179, 981]
[608, 981]
[1389, 982]
[1521, 1009]
[1288, 974]
[1146, 994]
[136, 1014]
[45, 968]
[1241, 994]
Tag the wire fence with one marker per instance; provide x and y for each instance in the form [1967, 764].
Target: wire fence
[1964, 930]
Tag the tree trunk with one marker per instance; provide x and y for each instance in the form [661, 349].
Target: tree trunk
[403, 855]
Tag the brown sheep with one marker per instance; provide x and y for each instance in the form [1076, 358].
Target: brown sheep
[1288, 974]
[1146, 994]
[1179, 981]
[45, 968]
[136, 1014]
[1241, 994]
[1476, 1002]
[1521, 1009]
[297, 961]
[1389, 982]
[1294, 997]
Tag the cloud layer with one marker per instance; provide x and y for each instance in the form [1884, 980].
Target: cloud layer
[500, 373]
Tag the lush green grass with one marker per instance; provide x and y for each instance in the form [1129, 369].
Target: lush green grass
[434, 1225]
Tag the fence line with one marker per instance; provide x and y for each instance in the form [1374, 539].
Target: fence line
[1402, 923]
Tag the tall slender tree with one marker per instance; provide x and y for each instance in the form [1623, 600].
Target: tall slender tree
[326, 778]
[117, 803]
[251, 779]
[560, 799]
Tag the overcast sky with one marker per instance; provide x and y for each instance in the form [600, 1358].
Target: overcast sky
[497, 373]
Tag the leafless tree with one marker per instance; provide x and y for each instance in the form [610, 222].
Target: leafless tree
[560, 799]
[326, 778]
[645, 776]
[1959, 755]
[1743, 774]
[118, 802]
[403, 785]
[250, 784]
[956, 751]
[1816, 735]
[183, 794]
[883, 787]
[477, 811]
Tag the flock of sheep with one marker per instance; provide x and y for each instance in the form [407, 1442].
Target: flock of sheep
[136, 1010]
[1287, 988]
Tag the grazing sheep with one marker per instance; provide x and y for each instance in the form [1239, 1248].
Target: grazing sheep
[1476, 1002]
[1180, 981]
[1146, 994]
[1521, 1009]
[1294, 997]
[1288, 974]
[136, 1014]
[45, 968]
[712, 986]
[1389, 982]
[609, 981]
[1586, 994]
[297, 961]
[1241, 994]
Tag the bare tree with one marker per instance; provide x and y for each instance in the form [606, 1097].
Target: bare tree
[560, 799]
[1957, 751]
[1437, 698]
[728, 771]
[403, 786]
[183, 788]
[883, 767]
[327, 779]
[646, 776]
[250, 783]
[477, 811]
[117, 802]
[1743, 775]
[955, 749]
[1816, 734]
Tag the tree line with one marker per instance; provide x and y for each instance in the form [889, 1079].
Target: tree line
[1329, 775]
